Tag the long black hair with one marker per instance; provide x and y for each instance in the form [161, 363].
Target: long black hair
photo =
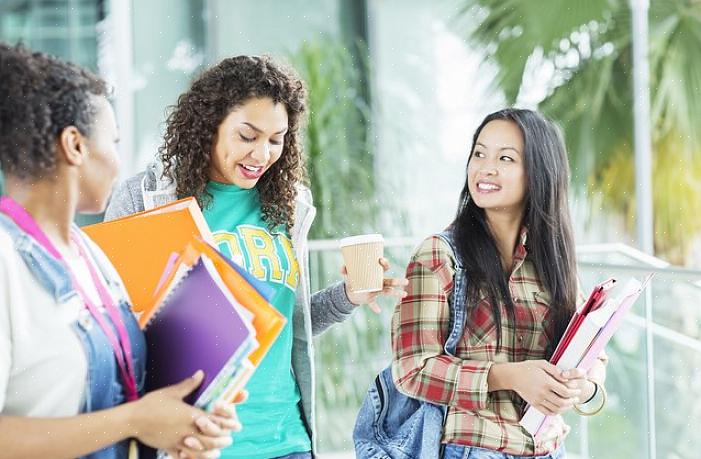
[546, 217]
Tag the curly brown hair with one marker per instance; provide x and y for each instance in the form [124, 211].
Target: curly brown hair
[193, 123]
[40, 96]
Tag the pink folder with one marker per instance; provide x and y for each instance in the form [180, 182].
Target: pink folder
[536, 422]
[611, 326]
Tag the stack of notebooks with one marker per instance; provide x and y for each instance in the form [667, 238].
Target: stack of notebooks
[214, 316]
[198, 309]
[588, 332]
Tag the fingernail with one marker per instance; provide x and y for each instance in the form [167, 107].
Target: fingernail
[237, 427]
[202, 422]
[229, 441]
[197, 374]
[222, 406]
[190, 442]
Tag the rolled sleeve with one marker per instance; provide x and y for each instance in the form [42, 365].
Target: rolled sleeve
[472, 391]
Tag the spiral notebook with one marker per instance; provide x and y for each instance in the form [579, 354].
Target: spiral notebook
[198, 325]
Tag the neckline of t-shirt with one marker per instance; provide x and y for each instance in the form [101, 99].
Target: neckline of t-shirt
[230, 188]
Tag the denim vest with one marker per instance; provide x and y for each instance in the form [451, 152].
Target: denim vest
[391, 425]
[104, 388]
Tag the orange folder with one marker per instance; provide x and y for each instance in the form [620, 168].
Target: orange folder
[267, 321]
[140, 245]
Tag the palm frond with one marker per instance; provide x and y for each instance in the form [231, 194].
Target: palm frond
[676, 57]
[510, 31]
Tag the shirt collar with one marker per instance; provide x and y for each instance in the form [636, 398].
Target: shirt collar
[520, 252]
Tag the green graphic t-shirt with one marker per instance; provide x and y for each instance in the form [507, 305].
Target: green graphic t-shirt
[271, 417]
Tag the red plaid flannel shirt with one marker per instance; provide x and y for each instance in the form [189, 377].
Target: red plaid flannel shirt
[422, 370]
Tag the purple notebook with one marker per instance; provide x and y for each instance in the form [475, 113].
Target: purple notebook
[197, 327]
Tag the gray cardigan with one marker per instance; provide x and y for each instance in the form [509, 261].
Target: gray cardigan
[313, 313]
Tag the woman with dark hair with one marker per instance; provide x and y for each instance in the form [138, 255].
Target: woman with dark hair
[232, 141]
[513, 240]
[71, 352]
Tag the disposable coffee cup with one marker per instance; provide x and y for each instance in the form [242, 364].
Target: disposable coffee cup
[361, 255]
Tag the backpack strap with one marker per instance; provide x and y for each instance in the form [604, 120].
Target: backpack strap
[457, 301]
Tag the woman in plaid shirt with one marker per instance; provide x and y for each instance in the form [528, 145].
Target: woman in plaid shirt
[514, 237]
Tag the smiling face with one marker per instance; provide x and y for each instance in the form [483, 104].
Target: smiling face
[496, 171]
[249, 141]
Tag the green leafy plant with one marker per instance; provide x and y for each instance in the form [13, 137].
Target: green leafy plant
[337, 138]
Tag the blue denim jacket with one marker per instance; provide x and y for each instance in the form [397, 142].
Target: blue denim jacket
[104, 388]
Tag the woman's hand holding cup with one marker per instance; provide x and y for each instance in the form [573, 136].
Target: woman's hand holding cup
[364, 270]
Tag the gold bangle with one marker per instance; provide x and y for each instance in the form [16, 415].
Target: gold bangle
[604, 397]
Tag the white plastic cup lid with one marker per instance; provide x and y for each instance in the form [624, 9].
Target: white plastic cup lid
[361, 239]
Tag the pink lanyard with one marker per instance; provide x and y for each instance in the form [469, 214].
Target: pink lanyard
[122, 345]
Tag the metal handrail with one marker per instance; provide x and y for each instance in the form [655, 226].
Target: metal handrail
[623, 249]
[685, 274]
[322, 245]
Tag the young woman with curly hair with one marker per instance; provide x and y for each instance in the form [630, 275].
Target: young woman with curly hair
[72, 355]
[232, 141]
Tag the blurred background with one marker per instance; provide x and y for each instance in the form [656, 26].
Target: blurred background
[397, 87]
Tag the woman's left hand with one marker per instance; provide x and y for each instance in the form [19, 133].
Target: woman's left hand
[215, 429]
[390, 286]
[578, 379]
